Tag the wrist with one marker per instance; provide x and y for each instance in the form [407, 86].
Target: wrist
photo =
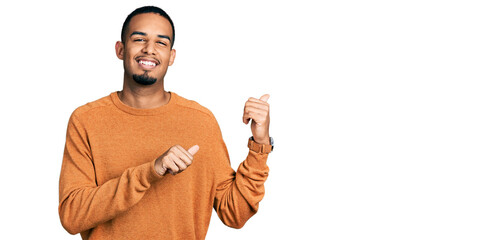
[265, 140]
[158, 168]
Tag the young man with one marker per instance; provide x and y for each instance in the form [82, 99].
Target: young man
[143, 163]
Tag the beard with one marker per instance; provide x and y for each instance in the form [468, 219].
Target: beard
[144, 79]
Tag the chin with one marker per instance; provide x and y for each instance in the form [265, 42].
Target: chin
[144, 79]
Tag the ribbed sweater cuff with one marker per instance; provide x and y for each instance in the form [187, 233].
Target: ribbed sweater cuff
[153, 175]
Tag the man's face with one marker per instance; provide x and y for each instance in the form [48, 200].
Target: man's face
[146, 51]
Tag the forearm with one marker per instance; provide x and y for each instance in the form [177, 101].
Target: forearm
[238, 198]
[84, 207]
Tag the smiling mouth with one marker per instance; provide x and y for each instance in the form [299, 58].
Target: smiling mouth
[147, 63]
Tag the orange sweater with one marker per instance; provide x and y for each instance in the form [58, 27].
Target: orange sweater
[109, 189]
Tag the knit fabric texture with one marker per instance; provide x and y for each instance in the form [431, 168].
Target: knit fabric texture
[109, 189]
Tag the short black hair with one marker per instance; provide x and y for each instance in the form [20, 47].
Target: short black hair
[147, 9]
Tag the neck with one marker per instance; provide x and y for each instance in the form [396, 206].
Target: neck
[137, 96]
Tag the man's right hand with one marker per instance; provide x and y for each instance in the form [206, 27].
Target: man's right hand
[175, 160]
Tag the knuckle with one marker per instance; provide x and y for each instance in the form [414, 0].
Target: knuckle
[169, 163]
[168, 166]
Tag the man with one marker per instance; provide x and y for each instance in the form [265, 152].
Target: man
[143, 163]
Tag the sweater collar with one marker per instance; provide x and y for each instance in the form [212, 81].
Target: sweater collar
[143, 111]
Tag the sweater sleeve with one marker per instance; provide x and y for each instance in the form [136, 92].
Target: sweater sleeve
[82, 203]
[238, 193]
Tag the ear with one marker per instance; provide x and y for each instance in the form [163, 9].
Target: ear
[119, 49]
[172, 56]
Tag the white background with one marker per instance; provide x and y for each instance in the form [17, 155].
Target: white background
[386, 114]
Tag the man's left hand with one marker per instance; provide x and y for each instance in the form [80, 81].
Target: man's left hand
[258, 110]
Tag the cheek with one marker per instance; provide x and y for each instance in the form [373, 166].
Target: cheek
[131, 51]
[167, 58]
[129, 57]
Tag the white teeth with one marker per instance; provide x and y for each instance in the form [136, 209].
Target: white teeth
[147, 63]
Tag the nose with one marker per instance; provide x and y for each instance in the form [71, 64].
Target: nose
[149, 48]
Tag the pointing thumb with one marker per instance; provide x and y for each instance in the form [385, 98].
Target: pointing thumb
[265, 97]
[193, 149]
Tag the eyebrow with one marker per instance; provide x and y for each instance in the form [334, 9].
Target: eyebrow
[138, 33]
[144, 34]
[163, 36]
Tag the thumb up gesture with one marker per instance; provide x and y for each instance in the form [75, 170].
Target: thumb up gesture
[257, 111]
